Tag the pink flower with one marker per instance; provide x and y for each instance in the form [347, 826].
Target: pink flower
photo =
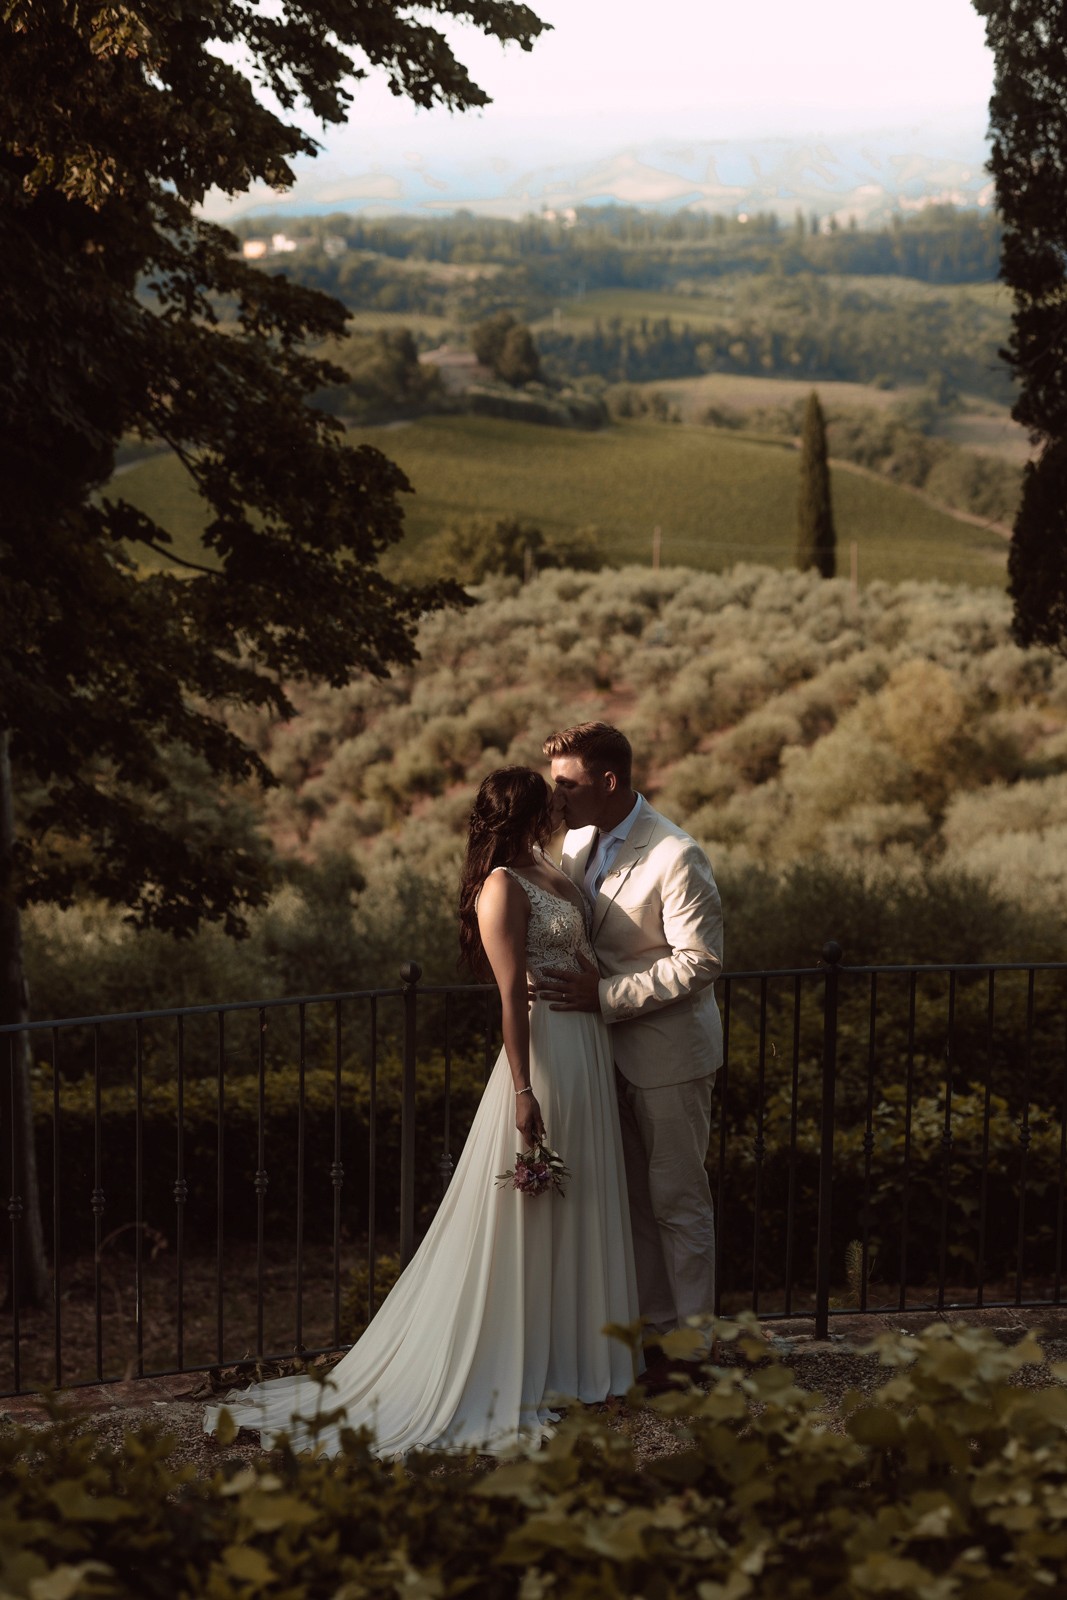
[536, 1171]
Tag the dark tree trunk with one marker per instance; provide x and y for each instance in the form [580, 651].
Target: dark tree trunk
[23, 1248]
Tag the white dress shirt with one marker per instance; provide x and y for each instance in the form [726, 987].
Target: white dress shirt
[603, 857]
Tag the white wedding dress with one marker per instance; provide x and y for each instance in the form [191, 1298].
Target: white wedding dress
[501, 1311]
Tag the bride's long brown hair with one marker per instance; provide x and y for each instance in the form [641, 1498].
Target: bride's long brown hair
[513, 809]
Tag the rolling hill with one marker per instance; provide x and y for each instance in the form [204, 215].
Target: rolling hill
[717, 498]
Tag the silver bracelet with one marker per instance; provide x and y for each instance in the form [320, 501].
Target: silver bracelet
[527, 1090]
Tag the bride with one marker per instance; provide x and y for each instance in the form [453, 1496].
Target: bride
[501, 1311]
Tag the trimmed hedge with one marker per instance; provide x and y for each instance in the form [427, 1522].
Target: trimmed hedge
[948, 1483]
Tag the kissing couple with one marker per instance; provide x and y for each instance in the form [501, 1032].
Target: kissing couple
[612, 1038]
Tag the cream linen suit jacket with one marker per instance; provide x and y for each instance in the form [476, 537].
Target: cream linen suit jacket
[657, 933]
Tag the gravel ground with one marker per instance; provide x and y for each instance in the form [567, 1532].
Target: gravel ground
[831, 1367]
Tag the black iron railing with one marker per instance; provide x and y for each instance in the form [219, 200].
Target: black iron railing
[227, 1184]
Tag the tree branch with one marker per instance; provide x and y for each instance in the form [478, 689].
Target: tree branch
[180, 561]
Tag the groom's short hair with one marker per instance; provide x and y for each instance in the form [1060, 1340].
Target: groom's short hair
[597, 745]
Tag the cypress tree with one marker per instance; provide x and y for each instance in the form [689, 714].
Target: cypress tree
[816, 539]
[1028, 121]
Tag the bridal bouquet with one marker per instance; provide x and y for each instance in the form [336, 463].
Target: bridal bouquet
[536, 1171]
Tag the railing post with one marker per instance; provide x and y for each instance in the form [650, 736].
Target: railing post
[831, 959]
[410, 972]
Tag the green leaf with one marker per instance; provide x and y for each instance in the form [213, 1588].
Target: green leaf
[245, 1562]
[66, 1581]
[540, 1536]
[940, 1520]
[226, 1429]
[266, 1512]
[17, 1572]
[516, 1480]
[684, 1344]
[876, 1426]
[889, 1574]
[736, 1587]
[76, 1504]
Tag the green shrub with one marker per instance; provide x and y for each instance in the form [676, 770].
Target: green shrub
[870, 1202]
[948, 1481]
[897, 443]
[538, 404]
[281, 1111]
[384, 378]
[876, 913]
[761, 1185]
[799, 709]
[356, 1309]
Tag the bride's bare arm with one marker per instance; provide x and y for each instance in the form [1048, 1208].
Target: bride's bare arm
[503, 917]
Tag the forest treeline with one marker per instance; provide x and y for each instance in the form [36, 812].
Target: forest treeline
[394, 263]
[888, 769]
[797, 327]
[756, 298]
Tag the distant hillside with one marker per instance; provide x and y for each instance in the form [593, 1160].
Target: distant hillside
[634, 295]
[783, 722]
[890, 771]
[716, 497]
[463, 266]
[868, 175]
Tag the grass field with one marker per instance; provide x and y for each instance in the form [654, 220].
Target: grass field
[739, 392]
[996, 295]
[980, 424]
[717, 498]
[699, 311]
[715, 296]
[163, 490]
[416, 322]
[988, 430]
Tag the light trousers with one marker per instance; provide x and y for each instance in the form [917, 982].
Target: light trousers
[665, 1134]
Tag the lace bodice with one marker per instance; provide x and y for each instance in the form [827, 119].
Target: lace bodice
[556, 932]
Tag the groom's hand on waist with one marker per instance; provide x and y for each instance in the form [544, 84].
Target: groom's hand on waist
[566, 990]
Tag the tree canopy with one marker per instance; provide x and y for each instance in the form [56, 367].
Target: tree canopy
[124, 313]
[506, 345]
[1028, 115]
[468, 549]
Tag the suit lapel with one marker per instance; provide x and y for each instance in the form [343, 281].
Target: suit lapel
[575, 865]
[630, 853]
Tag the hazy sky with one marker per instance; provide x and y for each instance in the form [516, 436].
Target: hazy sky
[763, 68]
[615, 74]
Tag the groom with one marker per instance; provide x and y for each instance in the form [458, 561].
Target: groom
[657, 932]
